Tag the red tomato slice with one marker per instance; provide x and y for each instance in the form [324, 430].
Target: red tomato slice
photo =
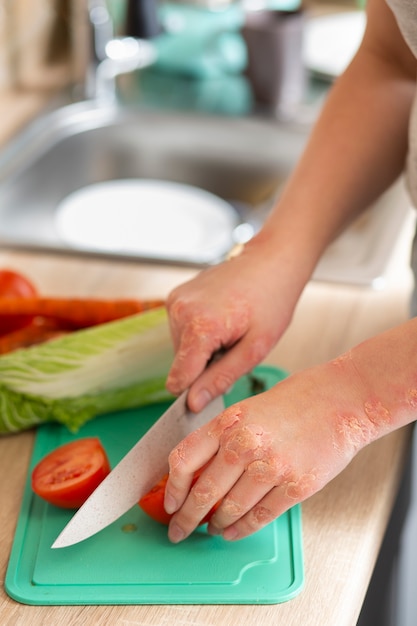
[152, 503]
[15, 285]
[68, 475]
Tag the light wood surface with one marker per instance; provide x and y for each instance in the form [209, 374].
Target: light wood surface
[342, 526]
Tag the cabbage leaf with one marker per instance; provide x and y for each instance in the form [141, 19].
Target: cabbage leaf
[73, 378]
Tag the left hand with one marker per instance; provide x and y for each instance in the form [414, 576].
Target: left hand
[267, 453]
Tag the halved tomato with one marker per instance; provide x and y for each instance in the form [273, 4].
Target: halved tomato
[152, 503]
[69, 474]
[15, 285]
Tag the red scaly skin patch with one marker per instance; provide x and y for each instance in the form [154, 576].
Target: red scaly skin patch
[179, 454]
[261, 516]
[377, 413]
[353, 432]
[268, 470]
[230, 417]
[249, 440]
[357, 426]
[204, 333]
[204, 496]
[302, 488]
[231, 508]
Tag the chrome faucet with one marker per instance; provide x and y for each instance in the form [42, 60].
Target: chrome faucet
[111, 56]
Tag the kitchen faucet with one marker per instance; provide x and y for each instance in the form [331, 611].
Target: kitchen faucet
[111, 56]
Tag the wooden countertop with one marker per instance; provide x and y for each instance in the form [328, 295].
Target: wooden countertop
[343, 525]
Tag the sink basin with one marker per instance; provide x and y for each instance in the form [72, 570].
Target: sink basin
[244, 161]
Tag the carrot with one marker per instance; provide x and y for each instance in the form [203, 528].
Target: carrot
[38, 331]
[75, 312]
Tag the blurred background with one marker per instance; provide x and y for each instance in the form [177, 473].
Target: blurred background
[202, 52]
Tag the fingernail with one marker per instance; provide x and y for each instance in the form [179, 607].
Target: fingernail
[170, 504]
[176, 533]
[202, 398]
[230, 533]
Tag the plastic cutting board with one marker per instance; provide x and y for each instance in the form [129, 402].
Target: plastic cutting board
[132, 561]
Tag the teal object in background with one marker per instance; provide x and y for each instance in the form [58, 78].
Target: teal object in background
[283, 5]
[132, 561]
[199, 42]
[202, 58]
[227, 94]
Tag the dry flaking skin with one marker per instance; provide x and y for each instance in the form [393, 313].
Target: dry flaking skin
[202, 335]
[244, 443]
[276, 449]
[178, 455]
[205, 493]
[268, 470]
[264, 467]
[361, 424]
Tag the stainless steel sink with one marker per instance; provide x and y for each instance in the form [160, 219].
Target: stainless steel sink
[242, 160]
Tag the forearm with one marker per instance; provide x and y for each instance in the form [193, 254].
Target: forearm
[356, 151]
[358, 147]
[377, 383]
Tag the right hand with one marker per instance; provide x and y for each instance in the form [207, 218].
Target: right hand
[243, 306]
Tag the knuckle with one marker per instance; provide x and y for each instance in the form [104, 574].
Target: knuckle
[262, 515]
[259, 516]
[204, 494]
[228, 419]
[174, 302]
[303, 486]
[231, 509]
[188, 516]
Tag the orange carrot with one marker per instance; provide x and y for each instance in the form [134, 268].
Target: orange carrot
[38, 331]
[75, 312]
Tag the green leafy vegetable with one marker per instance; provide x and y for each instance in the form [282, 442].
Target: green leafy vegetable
[76, 377]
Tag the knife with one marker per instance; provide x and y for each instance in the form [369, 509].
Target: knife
[143, 466]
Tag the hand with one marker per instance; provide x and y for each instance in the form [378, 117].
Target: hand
[243, 305]
[269, 452]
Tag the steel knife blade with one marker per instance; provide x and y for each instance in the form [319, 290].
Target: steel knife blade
[137, 472]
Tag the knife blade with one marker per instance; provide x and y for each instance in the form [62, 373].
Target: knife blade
[137, 472]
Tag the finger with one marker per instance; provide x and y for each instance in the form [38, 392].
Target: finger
[236, 444]
[191, 358]
[260, 476]
[197, 335]
[191, 454]
[204, 495]
[272, 505]
[219, 377]
[186, 458]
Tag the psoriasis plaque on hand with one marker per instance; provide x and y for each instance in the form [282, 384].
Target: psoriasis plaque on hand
[203, 496]
[377, 413]
[230, 417]
[359, 425]
[247, 440]
[178, 456]
[353, 431]
[268, 470]
[238, 439]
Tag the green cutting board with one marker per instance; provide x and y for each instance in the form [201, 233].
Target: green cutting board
[132, 561]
